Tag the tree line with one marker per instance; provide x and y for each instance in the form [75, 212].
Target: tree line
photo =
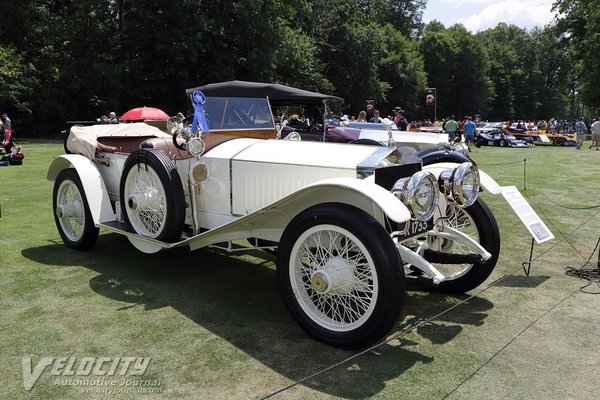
[78, 59]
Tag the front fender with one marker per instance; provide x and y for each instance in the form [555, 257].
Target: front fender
[270, 221]
[487, 182]
[362, 194]
[439, 156]
[92, 182]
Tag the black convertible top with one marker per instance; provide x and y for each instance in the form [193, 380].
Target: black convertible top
[277, 94]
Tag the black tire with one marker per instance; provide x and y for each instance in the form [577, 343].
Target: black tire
[72, 213]
[381, 269]
[168, 194]
[489, 237]
[558, 141]
[503, 143]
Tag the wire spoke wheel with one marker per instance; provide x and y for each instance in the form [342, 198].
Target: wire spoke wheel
[334, 277]
[478, 223]
[340, 275]
[71, 212]
[146, 199]
[71, 217]
[462, 221]
[152, 196]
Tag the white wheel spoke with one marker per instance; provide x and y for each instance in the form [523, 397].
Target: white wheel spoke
[71, 215]
[458, 219]
[346, 291]
[143, 185]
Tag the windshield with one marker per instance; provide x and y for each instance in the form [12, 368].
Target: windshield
[238, 113]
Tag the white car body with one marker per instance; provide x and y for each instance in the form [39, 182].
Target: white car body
[383, 215]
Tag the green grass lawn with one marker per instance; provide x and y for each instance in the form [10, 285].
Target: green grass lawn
[215, 326]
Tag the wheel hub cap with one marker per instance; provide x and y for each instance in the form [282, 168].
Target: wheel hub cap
[336, 276]
[320, 282]
[132, 202]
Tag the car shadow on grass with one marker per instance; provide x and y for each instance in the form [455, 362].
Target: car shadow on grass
[237, 299]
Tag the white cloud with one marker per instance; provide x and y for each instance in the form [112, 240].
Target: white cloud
[458, 3]
[517, 12]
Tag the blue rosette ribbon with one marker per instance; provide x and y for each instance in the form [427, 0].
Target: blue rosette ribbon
[198, 99]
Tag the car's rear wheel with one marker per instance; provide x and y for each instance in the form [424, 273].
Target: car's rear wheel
[558, 141]
[340, 275]
[152, 197]
[71, 212]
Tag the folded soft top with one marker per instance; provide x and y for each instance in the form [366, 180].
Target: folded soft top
[84, 139]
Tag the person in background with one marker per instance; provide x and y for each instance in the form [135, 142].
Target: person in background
[469, 128]
[451, 126]
[112, 118]
[595, 128]
[580, 130]
[362, 116]
[399, 119]
[376, 119]
[6, 122]
[370, 110]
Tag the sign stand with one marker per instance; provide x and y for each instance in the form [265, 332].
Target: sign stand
[534, 224]
[527, 264]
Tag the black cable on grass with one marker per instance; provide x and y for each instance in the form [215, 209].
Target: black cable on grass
[569, 207]
[427, 321]
[507, 163]
[592, 275]
[541, 211]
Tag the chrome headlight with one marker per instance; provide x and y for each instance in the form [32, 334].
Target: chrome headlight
[419, 193]
[195, 146]
[461, 184]
[295, 136]
[198, 172]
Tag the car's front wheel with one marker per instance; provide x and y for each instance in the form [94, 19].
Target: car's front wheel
[152, 197]
[340, 275]
[477, 222]
[71, 212]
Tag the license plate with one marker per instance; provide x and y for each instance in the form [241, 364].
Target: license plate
[415, 228]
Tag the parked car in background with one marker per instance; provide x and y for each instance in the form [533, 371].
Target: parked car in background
[351, 225]
[493, 134]
[532, 133]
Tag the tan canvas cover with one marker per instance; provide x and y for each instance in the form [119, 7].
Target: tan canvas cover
[84, 139]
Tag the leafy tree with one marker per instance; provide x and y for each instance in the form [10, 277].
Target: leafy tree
[13, 73]
[439, 52]
[402, 68]
[580, 20]
[458, 67]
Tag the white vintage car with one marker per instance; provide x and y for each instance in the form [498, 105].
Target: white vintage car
[351, 224]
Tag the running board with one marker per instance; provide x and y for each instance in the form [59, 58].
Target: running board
[142, 243]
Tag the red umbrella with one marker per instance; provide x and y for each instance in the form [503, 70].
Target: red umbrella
[145, 113]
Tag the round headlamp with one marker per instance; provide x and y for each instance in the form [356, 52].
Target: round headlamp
[198, 172]
[195, 146]
[461, 184]
[419, 193]
[295, 136]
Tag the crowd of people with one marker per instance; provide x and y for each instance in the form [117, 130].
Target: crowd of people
[467, 126]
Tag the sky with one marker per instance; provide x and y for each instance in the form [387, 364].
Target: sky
[479, 15]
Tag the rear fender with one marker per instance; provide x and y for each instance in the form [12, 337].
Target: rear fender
[92, 182]
[487, 182]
